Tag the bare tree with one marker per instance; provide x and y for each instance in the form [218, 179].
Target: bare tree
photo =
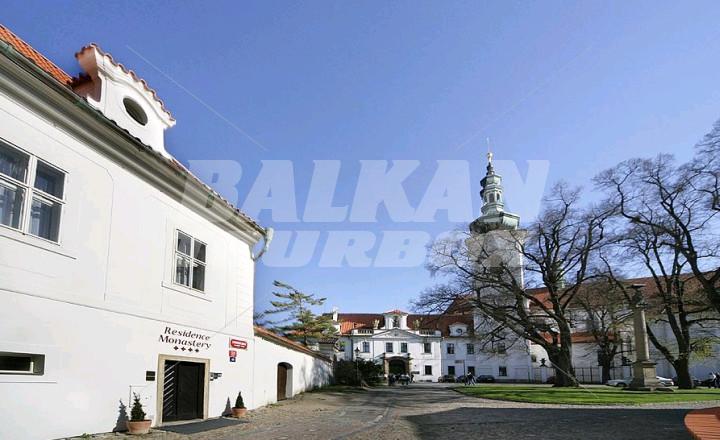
[678, 204]
[674, 300]
[702, 253]
[489, 270]
[605, 312]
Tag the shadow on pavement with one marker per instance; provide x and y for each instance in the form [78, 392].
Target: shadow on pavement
[202, 426]
[552, 424]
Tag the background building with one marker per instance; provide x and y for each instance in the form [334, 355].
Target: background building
[428, 346]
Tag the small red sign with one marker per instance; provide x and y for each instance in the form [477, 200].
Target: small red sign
[232, 353]
[237, 343]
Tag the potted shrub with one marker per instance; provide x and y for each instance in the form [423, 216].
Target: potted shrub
[138, 424]
[239, 409]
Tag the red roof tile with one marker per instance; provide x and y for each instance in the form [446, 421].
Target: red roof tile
[350, 321]
[288, 343]
[650, 290]
[39, 59]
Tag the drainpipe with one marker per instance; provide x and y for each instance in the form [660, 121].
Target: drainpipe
[267, 238]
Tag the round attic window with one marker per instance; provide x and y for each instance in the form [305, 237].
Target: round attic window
[135, 111]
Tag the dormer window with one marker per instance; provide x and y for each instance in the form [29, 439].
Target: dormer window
[123, 98]
[396, 322]
[136, 112]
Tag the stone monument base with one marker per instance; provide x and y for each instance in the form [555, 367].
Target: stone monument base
[645, 378]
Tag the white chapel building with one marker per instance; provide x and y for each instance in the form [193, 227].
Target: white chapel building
[120, 272]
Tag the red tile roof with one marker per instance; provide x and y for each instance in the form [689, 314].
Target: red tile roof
[396, 312]
[350, 321]
[650, 289]
[287, 343]
[39, 59]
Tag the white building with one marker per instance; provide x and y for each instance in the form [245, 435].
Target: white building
[428, 346]
[120, 272]
[585, 348]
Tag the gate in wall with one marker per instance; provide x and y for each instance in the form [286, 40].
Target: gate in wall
[183, 390]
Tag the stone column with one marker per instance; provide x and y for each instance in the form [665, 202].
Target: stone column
[644, 374]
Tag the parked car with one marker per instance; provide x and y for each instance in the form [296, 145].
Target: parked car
[708, 383]
[450, 378]
[696, 382]
[620, 383]
[665, 381]
[624, 383]
[485, 378]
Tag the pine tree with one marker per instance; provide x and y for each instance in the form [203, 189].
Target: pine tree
[300, 323]
[136, 413]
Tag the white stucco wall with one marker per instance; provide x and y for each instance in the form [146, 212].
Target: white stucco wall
[418, 358]
[96, 303]
[307, 371]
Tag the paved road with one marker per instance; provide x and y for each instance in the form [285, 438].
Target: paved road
[435, 412]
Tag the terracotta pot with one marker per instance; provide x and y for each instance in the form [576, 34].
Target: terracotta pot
[239, 412]
[141, 427]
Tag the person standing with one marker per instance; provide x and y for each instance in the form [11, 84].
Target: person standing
[711, 380]
[717, 379]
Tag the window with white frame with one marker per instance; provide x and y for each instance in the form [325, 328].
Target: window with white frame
[31, 193]
[190, 262]
[428, 370]
[427, 347]
[403, 347]
[451, 349]
[388, 347]
[471, 349]
[366, 347]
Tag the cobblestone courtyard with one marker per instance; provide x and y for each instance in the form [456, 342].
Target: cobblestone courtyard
[433, 411]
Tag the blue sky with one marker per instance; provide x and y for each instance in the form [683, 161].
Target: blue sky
[576, 86]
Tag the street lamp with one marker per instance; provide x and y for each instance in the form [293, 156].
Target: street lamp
[357, 371]
[644, 374]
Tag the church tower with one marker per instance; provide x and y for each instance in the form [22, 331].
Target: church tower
[495, 246]
[493, 215]
[495, 237]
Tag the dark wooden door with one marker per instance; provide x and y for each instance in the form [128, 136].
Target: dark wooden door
[183, 391]
[281, 382]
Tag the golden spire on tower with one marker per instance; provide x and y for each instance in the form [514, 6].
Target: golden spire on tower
[489, 153]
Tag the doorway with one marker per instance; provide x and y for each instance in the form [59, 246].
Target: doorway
[397, 366]
[183, 389]
[284, 381]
